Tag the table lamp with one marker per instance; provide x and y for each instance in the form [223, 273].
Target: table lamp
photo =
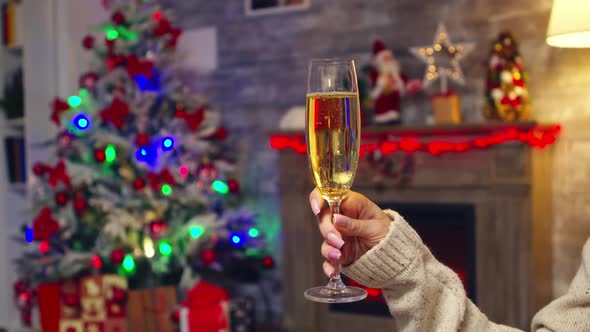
[569, 25]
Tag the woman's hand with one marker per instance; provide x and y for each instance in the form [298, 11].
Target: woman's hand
[360, 226]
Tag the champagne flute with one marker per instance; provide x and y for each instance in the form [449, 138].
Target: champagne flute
[333, 131]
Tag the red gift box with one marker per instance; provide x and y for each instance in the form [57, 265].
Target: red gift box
[205, 310]
[91, 304]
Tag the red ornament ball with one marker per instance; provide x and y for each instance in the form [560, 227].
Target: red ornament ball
[88, 42]
[100, 156]
[80, 205]
[142, 139]
[139, 184]
[268, 262]
[20, 286]
[118, 18]
[62, 198]
[119, 295]
[233, 185]
[71, 300]
[96, 262]
[117, 256]
[158, 228]
[208, 256]
[88, 80]
[39, 169]
[175, 316]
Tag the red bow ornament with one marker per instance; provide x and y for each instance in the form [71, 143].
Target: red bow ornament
[139, 67]
[193, 120]
[58, 174]
[164, 28]
[116, 114]
[44, 226]
[157, 179]
[59, 106]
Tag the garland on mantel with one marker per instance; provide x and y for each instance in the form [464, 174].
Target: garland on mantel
[536, 137]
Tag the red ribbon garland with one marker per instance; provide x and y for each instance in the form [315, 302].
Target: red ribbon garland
[157, 179]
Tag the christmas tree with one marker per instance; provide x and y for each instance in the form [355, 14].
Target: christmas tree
[506, 91]
[143, 183]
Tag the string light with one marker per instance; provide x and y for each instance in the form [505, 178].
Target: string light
[220, 187]
[253, 232]
[112, 34]
[81, 122]
[165, 248]
[44, 247]
[167, 143]
[128, 263]
[183, 170]
[29, 235]
[148, 247]
[236, 240]
[74, 101]
[166, 189]
[196, 231]
[96, 262]
[536, 137]
[110, 153]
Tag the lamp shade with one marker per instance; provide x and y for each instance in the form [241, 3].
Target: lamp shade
[569, 25]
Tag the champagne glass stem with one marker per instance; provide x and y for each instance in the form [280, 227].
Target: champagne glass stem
[335, 281]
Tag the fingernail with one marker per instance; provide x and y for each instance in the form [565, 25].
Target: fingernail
[334, 256]
[315, 207]
[340, 221]
[335, 240]
[329, 271]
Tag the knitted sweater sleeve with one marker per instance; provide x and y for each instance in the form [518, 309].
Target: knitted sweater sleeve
[422, 294]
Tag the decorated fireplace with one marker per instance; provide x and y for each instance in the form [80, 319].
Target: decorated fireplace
[478, 195]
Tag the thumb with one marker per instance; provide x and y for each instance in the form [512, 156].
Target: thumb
[351, 227]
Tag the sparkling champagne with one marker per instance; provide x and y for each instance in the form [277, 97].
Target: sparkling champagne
[333, 140]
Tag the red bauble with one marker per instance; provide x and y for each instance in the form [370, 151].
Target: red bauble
[268, 262]
[39, 169]
[233, 185]
[158, 229]
[88, 80]
[71, 300]
[142, 139]
[175, 316]
[62, 198]
[118, 18]
[88, 42]
[119, 295]
[80, 205]
[220, 134]
[117, 256]
[139, 184]
[208, 256]
[100, 156]
[96, 262]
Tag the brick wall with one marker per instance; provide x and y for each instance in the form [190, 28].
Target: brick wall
[263, 63]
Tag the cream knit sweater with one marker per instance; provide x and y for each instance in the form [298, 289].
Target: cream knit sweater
[424, 295]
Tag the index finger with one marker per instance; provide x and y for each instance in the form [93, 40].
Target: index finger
[316, 201]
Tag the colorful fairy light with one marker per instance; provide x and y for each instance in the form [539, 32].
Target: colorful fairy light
[253, 232]
[220, 187]
[167, 143]
[112, 34]
[128, 263]
[81, 122]
[29, 235]
[165, 248]
[183, 170]
[237, 239]
[196, 231]
[74, 101]
[148, 247]
[166, 189]
[110, 153]
[44, 247]
[96, 262]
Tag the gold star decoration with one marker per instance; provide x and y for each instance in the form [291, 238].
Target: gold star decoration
[442, 59]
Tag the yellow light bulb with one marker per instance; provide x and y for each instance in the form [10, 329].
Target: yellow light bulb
[437, 47]
[432, 68]
[429, 51]
[148, 247]
[517, 76]
[422, 51]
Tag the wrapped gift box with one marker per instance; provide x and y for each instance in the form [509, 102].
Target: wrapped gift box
[90, 304]
[446, 108]
[206, 309]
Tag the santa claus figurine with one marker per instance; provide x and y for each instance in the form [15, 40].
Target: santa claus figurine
[388, 84]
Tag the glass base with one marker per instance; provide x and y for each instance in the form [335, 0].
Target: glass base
[324, 294]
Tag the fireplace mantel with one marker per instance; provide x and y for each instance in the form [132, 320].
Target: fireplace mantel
[509, 186]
